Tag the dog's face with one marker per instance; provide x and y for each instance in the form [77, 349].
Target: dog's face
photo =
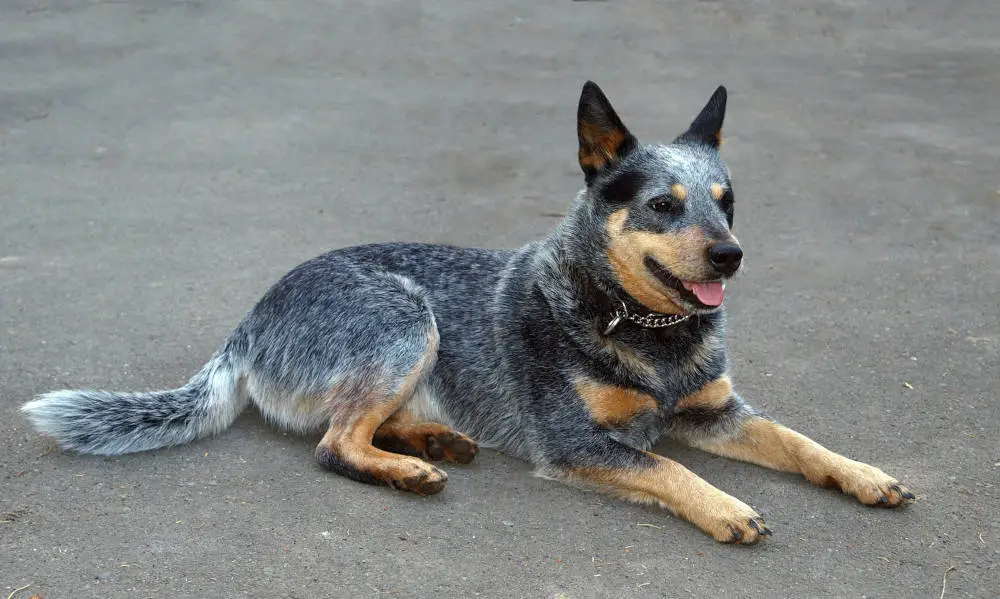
[666, 210]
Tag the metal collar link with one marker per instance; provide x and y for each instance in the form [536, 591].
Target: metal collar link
[646, 321]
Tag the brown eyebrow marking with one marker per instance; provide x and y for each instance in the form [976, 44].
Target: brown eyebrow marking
[717, 191]
[679, 191]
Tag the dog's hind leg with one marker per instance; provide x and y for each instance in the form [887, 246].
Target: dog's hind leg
[359, 408]
[401, 433]
[343, 344]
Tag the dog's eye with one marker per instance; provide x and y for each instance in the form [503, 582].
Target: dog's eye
[726, 203]
[666, 205]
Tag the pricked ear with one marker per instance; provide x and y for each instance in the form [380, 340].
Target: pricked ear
[603, 137]
[707, 126]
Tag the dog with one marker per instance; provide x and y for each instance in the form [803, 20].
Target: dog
[576, 352]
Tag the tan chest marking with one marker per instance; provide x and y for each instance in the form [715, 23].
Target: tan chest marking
[712, 396]
[610, 405]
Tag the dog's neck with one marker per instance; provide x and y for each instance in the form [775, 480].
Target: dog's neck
[617, 308]
[595, 302]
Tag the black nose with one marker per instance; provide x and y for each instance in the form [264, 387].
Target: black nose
[725, 257]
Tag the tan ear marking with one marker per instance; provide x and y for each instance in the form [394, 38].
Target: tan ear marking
[600, 145]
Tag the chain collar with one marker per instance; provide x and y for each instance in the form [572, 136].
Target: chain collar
[651, 320]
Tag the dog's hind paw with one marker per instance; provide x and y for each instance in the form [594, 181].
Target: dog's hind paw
[428, 440]
[451, 446]
[426, 480]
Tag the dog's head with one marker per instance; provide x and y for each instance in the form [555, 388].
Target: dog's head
[665, 212]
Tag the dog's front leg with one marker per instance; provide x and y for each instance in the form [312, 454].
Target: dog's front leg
[716, 420]
[645, 477]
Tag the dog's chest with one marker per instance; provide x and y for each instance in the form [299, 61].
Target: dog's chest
[637, 397]
[667, 371]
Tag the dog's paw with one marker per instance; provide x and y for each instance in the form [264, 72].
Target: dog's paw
[732, 521]
[886, 492]
[747, 531]
[869, 485]
[427, 440]
[420, 478]
[451, 446]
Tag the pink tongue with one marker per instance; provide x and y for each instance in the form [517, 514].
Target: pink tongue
[709, 294]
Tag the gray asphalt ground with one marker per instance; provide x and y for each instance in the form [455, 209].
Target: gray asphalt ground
[162, 163]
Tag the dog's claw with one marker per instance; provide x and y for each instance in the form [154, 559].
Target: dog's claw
[759, 526]
[903, 492]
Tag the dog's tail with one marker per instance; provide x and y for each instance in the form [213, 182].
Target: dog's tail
[107, 423]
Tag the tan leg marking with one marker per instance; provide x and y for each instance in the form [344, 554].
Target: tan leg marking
[349, 440]
[609, 405]
[429, 440]
[685, 494]
[775, 446]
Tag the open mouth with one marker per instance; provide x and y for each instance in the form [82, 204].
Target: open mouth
[708, 294]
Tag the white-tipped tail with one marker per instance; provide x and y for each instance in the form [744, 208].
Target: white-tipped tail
[109, 423]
